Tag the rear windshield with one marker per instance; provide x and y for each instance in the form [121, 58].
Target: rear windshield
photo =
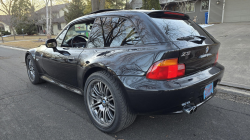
[175, 28]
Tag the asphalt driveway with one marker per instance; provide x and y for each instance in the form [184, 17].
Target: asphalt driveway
[234, 52]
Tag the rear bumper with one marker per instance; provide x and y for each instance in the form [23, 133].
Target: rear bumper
[146, 96]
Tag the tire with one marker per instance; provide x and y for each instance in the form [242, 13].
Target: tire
[106, 104]
[32, 71]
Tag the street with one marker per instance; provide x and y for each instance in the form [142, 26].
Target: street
[46, 111]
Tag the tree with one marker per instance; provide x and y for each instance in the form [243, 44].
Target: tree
[88, 7]
[6, 6]
[115, 4]
[75, 10]
[23, 18]
[149, 4]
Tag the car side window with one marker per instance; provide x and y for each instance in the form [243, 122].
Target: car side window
[60, 38]
[113, 32]
[77, 33]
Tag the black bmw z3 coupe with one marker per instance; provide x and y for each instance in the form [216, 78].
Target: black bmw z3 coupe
[128, 63]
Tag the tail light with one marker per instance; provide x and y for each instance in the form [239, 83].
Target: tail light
[217, 56]
[166, 69]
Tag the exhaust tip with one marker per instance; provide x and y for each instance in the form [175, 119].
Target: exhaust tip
[189, 109]
[195, 109]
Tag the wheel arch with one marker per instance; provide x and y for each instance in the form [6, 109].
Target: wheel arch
[30, 52]
[92, 69]
[96, 68]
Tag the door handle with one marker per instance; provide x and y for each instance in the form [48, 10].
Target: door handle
[65, 48]
[71, 58]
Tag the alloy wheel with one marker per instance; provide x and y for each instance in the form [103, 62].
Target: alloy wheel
[101, 103]
[31, 70]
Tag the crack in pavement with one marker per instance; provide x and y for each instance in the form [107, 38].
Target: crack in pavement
[230, 110]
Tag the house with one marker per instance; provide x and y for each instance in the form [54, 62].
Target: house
[136, 4]
[5, 23]
[218, 11]
[58, 20]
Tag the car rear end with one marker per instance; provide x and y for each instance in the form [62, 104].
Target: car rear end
[179, 81]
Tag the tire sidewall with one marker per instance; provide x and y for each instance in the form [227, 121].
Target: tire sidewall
[118, 114]
[36, 79]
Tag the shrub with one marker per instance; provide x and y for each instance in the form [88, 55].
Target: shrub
[29, 29]
[5, 33]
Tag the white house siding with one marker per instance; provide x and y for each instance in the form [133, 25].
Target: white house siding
[6, 27]
[56, 31]
[215, 12]
[63, 25]
[237, 10]
[61, 12]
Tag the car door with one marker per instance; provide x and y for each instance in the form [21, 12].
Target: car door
[62, 63]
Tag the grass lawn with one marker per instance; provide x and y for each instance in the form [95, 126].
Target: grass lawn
[11, 38]
[24, 44]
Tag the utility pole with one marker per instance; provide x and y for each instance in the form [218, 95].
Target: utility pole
[50, 20]
[97, 5]
[47, 17]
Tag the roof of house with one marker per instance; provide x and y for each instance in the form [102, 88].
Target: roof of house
[55, 8]
[5, 19]
[55, 20]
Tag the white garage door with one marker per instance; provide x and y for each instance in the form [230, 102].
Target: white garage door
[237, 10]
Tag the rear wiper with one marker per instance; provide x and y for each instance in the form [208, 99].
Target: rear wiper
[192, 38]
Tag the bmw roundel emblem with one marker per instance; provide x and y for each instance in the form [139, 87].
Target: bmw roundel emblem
[207, 49]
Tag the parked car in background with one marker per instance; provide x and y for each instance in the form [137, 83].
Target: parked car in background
[132, 63]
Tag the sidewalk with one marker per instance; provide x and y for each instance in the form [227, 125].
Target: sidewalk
[234, 52]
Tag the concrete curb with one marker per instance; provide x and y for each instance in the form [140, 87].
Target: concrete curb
[14, 48]
[233, 91]
[235, 85]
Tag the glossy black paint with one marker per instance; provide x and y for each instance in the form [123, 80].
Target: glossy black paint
[129, 64]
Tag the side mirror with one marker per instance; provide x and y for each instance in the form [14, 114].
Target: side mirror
[51, 43]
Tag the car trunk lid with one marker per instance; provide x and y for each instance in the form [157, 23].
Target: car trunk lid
[197, 48]
[197, 57]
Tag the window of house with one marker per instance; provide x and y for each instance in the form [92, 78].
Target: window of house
[190, 7]
[1, 27]
[59, 26]
[113, 32]
[204, 5]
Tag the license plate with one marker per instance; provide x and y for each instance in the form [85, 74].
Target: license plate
[209, 89]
